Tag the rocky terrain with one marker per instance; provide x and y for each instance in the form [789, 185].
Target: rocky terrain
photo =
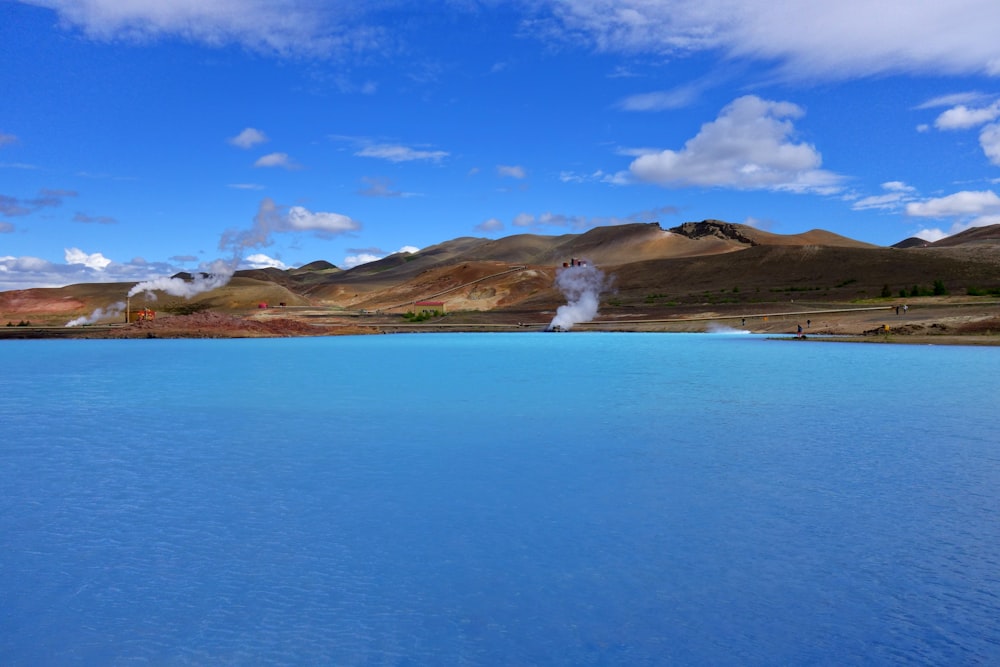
[688, 278]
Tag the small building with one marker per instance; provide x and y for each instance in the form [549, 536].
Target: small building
[141, 315]
[429, 307]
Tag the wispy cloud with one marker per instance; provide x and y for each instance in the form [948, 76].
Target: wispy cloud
[275, 27]
[665, 100]
[490, 225]
[248, 138]
[281, 160]
[272, 218]
[401, 153]
[13, 206]
[858, 37]
[582, 222]
[961, 117]
[511, 171]
[895, 195]
[92, 219]
[381, 187]
[953, 99]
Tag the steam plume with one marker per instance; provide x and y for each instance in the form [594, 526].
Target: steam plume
[218, 274]
[581, 284]
[114, 310]
[716, 328]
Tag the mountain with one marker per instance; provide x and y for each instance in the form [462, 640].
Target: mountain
[975, 235]
[696, 263]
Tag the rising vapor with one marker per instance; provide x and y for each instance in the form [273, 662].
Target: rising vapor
[114, 310]
[217, 274]
[581, 284]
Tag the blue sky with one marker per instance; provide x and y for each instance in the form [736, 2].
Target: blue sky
[139, 138]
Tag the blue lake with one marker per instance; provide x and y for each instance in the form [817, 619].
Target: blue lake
[498, 499]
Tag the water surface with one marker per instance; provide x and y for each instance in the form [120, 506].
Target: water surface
[498, 499]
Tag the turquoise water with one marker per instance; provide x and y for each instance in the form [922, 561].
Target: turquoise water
[498, 499]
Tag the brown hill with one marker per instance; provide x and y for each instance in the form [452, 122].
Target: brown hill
[976, 235]
[653, 270]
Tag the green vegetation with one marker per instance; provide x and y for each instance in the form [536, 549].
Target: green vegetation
[185, 308]
[977, 291]
[795, 289]
[886, 292]
[939, 288]
[425, 315]
[22, 323]
[846, 282]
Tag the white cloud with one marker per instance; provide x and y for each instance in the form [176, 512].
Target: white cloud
[598, 176]
[663, 100]
[748, 147]
[931, 235]
[262, 261]
[7, 139]
[95, 261]
[958, 204]
[582, 222]
[272, 218]
[989, 139]
[80, 267]
[246, 186]
[896, 194]
[523, 220]
[967, 209]
[302, 219]
[490, 225]
[399, 153]
[953, 99]
[805, 39]
[962, 117]
[276, 160]
[898, 186]
[373, 255]
[511, 171]
[248, 138]
[350, 261]
[281, 27]
[381, 188]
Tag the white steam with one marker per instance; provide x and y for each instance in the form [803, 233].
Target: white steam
[716, 328]
[114, 310]
[581, 284]
[218, 274]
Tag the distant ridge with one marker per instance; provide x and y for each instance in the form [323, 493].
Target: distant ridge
[912, 242]
[987, 234]
[751, 236]
[695, 263]
[318, 265]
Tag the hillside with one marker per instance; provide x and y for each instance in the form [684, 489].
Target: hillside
[691, 266]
